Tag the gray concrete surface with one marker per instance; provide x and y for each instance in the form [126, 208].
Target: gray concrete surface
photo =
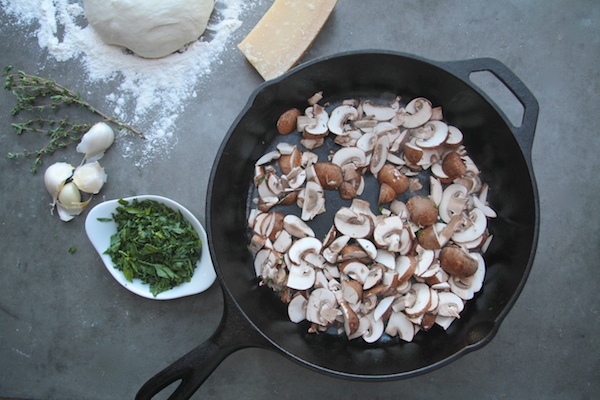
[69, 331]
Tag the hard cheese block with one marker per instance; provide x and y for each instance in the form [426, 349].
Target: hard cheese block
[284, 33]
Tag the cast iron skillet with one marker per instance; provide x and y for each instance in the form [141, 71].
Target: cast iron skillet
[254, 317]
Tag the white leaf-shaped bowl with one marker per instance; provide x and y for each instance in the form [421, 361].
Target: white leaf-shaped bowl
[99, 233]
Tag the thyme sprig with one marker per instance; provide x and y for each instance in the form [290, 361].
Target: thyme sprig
[44, 98]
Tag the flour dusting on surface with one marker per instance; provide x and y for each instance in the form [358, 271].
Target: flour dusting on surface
[150, 94]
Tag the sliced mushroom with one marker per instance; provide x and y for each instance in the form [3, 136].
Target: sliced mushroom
[314, 201]
[322, 308]
[417, 112]
[453, 202]
[329, 174]
[474, 228]
[422, 300]
[388, 233]
[422, 211]
[375, 330]
[297, 308]
[296, 227]
[332, 251]
[353, 224]
[378, 112]
[435, 134]
[301, 247]
[318, 129]
[339, 117]
[379, 156]
[399, 325]
[349, 155]
[301, 277]
[449, 305]
[456, 261]
[355, 270]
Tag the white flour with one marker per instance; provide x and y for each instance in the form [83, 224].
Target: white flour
[150, 93]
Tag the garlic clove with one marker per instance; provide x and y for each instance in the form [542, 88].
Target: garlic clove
[55, 177]
[95, 142]
[89, 177]
[67, 213]
[69, 194]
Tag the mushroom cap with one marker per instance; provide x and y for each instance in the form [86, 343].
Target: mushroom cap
[422, 210]
[286, 123]
[435, 133]
[329, 174]
[453, 165]
[391, 176]
[456, 261]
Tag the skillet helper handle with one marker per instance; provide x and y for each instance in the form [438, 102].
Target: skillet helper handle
[525, 132]
[234, 333]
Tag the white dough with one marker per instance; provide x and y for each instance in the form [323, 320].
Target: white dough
[149, 28]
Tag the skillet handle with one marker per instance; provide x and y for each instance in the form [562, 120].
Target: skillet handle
[523, 133]
[234, 333]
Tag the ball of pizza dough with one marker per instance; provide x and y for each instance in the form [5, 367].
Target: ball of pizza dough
[149, 28]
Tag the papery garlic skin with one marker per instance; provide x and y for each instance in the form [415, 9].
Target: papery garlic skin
[89, 177]
[95, 142]
[55, 177]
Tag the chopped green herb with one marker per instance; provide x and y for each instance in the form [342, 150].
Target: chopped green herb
[155, 244]
[72, 250]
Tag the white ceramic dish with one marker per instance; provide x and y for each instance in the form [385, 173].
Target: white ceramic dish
[100, 232]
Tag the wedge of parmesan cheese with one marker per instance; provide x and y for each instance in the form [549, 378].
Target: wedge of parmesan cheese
[284, 34]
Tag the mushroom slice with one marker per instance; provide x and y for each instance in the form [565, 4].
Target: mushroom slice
[332, 251]
[318, 128]
[352, 291]
[455, 136]
[417, 112]
[487, 210]
[301, 247]
[350, 223]
[435, 190]
[373, 277]
[449, 305]
[399, 324]
[378, 112]
[383, 307]
[436, 131]
[453, 202]
[388, 233]
[424, 260]
[422, 300]
[321, 308]
[379, 157]
[444, 322]
[268, 157]
[368, 247]
[349, 155]
[405, 267]
[314, 201]
[297, 308]
[339, 117]
[296, 227]
[367, 142]
[301, 277]
[351, 321]
[355, 270]
[376, 328]
[295, 178]
[474, 228]
[385, 258]
[283, 242]
[265, 258]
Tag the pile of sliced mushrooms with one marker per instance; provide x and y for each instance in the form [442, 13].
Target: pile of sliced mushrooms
[397, 272]
[65, 183]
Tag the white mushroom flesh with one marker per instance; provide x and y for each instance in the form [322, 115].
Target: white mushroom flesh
[373, 268]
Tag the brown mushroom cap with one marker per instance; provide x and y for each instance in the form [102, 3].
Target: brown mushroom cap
[457, 262]
[386, 194]
[329, 174]
[347, 190]
[394, 178]
[422, 211]
[286, 123]
[453, 165]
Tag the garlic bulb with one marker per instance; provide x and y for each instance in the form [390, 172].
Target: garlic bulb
[69, 202]
[95, 142]
[89, 177]
[55, 177]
